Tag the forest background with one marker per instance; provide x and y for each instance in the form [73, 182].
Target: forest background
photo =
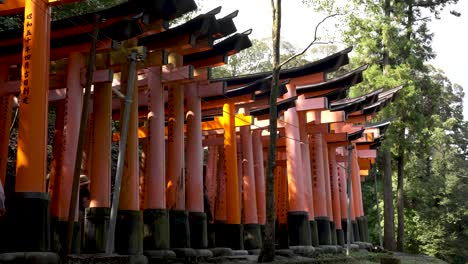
[426, 208]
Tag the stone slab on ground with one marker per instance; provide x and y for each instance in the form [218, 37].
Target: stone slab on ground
[204, 253]
[240, 252]
[184, 252]
[220, 251]
[364, 245]
[306, 251]
[30, 257]
[105, 259]
[160, 253]
[284, 252]
[254, 251]
[330, 249]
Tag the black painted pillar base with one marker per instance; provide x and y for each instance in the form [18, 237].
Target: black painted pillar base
[229, 236]
[156, 232]
[333, 232]
[299, 229]
[324, 232]
[365, 227]
[344, 224]
[281, 235]
[356, 230]
[340, 237]
[360, 223]
[129, 232]
[198, 230]
[96, 224]
[179, 229]
[211, 235]
[27, 223]
[314, 233]
[59, 236]
[252, 236]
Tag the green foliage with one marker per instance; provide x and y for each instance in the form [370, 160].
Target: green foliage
[258, 59]
[428, 123]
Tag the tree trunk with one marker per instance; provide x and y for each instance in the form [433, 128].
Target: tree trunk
[389, 225]
[400, 200]
[268, 249]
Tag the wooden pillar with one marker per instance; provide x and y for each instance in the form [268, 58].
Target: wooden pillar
[32, 202]
[298, 218]
[281, 200]
[319, 188]
[97, 217]
[326, 167]
[130, 223]
[194, 177]
[335, 194]
[175, 172]
[156, 217]
[220, 204]
[252, 232]
[259, 175]
[68, 115]
[230, 234]
[212, 176]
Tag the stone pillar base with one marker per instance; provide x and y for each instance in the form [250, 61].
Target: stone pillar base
[95, 229]
[198, 230]
[340, 237]
[252, 236]
[299, 229]
[211, 236]
[333, 232]
[27, 224]
[324, 232]
[129, 232]
[356, 230]
[229, 236]
[59, 236]
[156, 230]
[314, 233]
[179, 229]
[29, 258]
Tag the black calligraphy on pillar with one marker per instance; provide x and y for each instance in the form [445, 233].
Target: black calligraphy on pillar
[27, 44]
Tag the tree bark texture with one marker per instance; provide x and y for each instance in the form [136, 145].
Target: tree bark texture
[389, 225]
[400, 201]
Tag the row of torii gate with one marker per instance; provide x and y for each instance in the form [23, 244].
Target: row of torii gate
[188, 136]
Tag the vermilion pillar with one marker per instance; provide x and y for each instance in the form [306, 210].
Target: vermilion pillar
[298, 219]
[259, 171]
[68, 115]
[335, 194]
[31, 200]
[252, 233]
[212, 175]
[357, 195]
[220, 204]
[231, 234]
[130, 223]
[194, 190]
[326, 167]
[97, 216]
[308, 194]
[281, 199]
[156, 217]
[319, 189]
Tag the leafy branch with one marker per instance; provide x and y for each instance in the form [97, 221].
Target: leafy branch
[314, 41]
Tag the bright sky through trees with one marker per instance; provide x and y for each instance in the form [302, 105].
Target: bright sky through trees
[299, 22]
